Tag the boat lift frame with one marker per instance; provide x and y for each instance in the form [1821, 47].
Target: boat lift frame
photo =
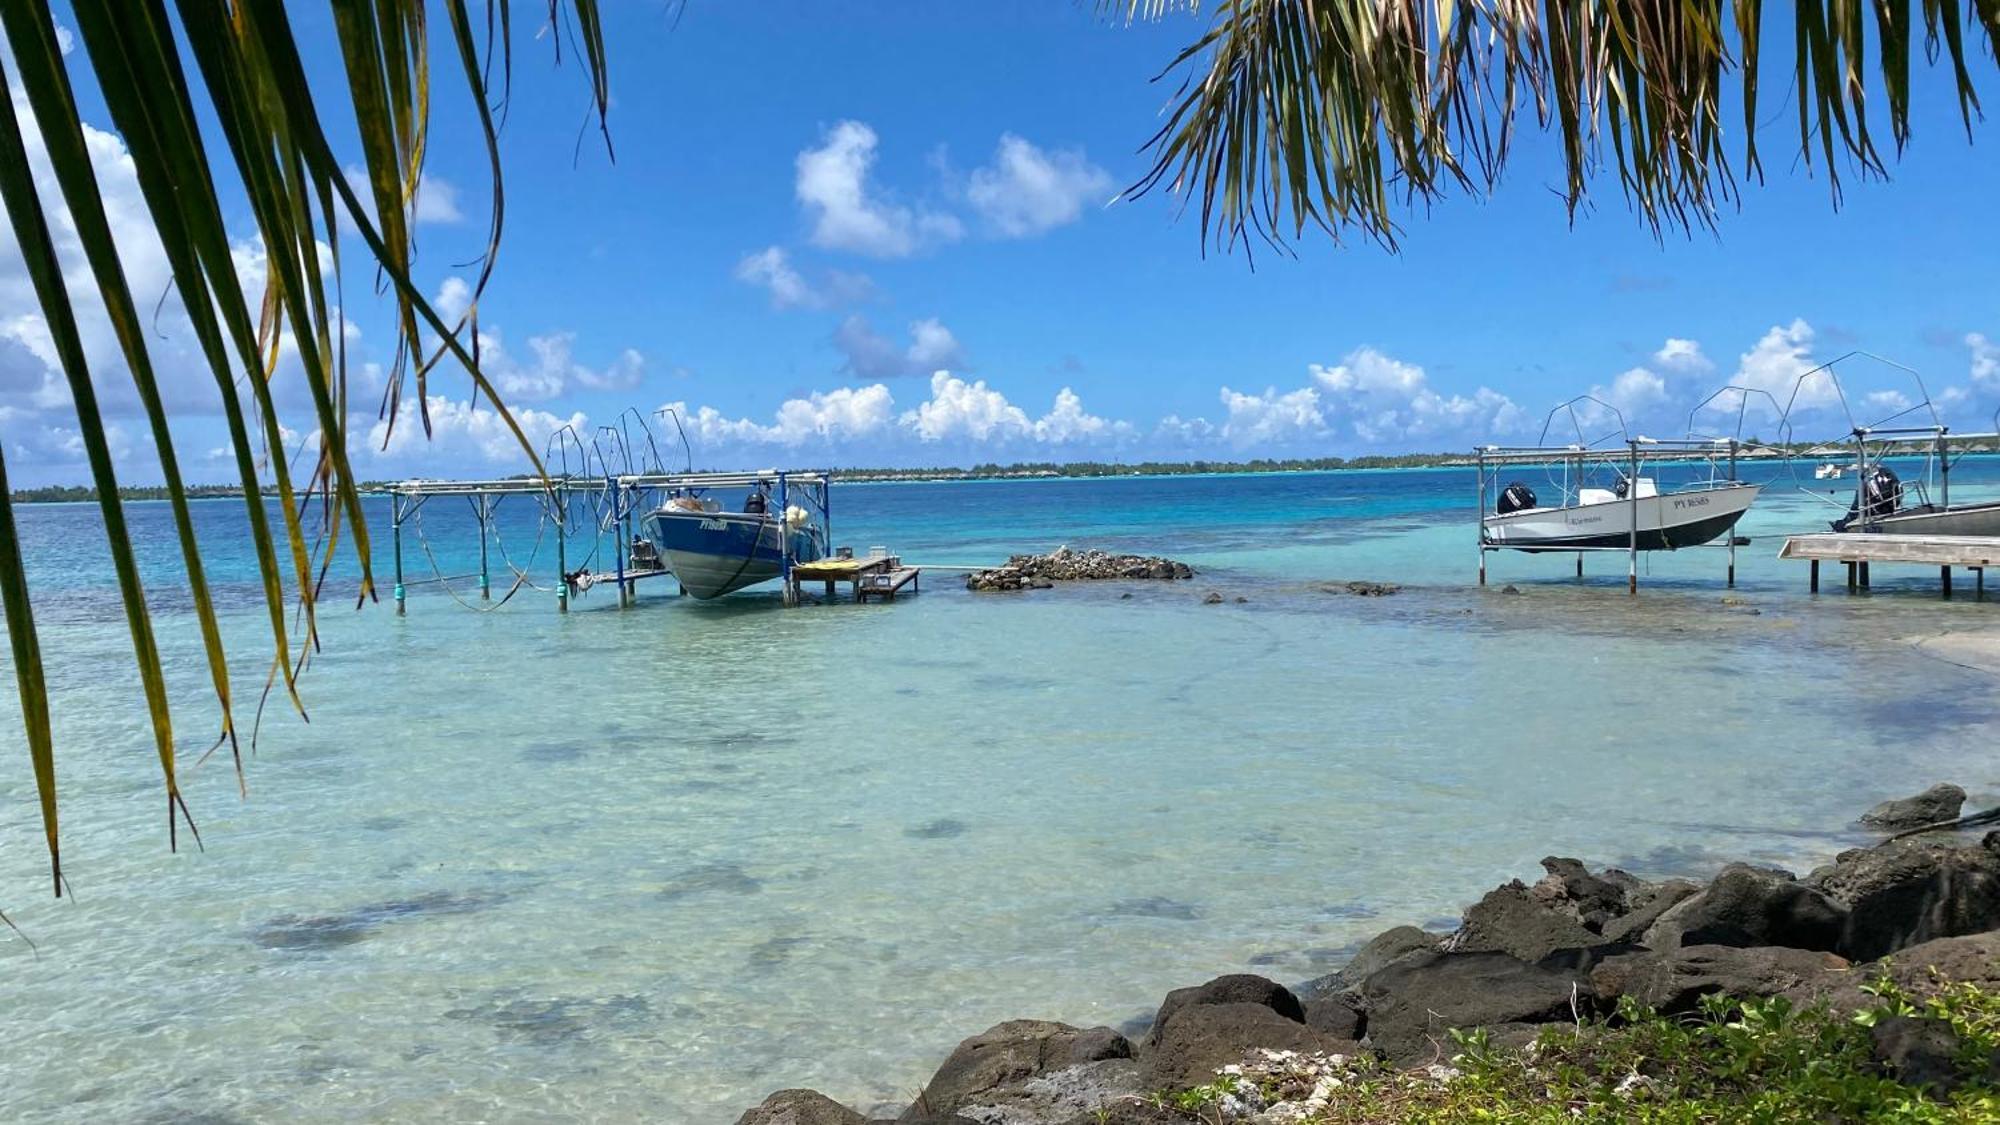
[615, 498]
[1575, 460]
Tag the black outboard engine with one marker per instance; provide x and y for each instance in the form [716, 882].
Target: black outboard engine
[1623, 486]
[1876, 495]
[1516, 497]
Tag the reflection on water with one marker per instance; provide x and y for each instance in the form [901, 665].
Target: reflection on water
[652, 864]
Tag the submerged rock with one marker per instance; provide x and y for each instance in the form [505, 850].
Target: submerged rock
[1935, 805]
[1364, 589]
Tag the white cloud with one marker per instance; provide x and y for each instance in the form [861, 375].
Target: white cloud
[453, 298]
[973, 411]
[870, 355]
[1272, 418]
[436, 202]
[1890, 402]
[847, 213]
[462, 432]
[1386, 400]
[829, 417]
[1067, 422]
[1027, 190]
[1985, 359]
[771, 268]
[1775, 363]
[1682, 356]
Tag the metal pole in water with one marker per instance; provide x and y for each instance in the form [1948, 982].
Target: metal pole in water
[1632, 552]
[1732, 529]
[562, 558]
[485, 583]
[618, 502]
[1480, 512]
[785, 544]
[396, 518]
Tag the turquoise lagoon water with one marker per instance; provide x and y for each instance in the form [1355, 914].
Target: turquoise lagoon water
[655, 863]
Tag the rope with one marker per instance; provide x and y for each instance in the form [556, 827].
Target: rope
[444, 583]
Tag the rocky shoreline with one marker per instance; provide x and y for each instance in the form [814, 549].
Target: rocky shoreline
[1041, 572]
[1574, 946]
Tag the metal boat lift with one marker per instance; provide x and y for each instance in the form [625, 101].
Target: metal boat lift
[612, 502]
[1575, 461]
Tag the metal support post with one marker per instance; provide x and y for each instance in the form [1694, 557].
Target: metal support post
[485, 582]
[396, 519]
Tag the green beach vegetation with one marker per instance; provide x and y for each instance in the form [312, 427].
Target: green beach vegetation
[1762, 1060]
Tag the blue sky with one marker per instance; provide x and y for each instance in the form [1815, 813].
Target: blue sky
[883, 235]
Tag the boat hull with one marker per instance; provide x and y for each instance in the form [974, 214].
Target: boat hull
[1665, 523]
[1974, 519]
[717, 553]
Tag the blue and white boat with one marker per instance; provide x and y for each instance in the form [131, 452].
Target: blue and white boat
[712, 552]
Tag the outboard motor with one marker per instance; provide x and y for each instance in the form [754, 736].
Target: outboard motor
[1876, 495]
[1516, 497]
[1623, 487]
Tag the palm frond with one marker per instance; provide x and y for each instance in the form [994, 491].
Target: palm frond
[265, 141]
[1338, 113]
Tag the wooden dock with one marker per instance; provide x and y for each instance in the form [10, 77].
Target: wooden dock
[876, 576]
[1858, 549]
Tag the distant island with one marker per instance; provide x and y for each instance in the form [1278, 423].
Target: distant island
[1027, 470]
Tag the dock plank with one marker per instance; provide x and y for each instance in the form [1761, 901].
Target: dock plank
[1931, 550]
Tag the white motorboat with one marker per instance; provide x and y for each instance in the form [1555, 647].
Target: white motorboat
[1602, 517]
[1879, 507]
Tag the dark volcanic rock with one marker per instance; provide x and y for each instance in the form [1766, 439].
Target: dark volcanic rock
[801, 1107]
[1196, 1039]
[1410, 1005]
[1098, 1044]
[1236, 988]
[1748, 906]
[1591, 899]
[1213, 597]
[1335, 1016]
[1367, 589]
[1073, 1092]
[1926, 1053]
[1509, 920]
[1971, 959]
[1933, 805]
[1003, 1055]
[1383, 949]
[1912, 891]
[1674, 981]
[1647, 908]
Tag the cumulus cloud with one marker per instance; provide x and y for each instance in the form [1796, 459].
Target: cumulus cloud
[1027, 190]
[1067, 422]
[849, 214]
[1985, 359]
[869, 355]
[462, 432]
[436, 202]
[771, 269]
[1684, 356]
[1775, 363]
[1271, 418]
[830, 417]
[1385, 400]
[974, 411]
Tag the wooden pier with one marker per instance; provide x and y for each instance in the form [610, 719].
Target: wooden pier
[1858, 549]
[875, 576]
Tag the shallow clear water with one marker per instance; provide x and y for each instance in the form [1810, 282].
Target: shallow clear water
[654, 863]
